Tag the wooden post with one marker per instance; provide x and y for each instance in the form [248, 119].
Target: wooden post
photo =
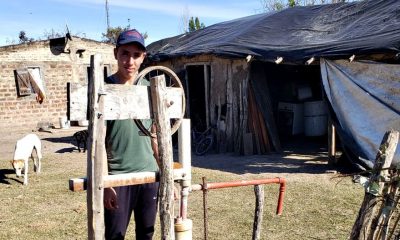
[258, 215]
[331, 143]
[160, 103]
[367, 217]
[96, 151]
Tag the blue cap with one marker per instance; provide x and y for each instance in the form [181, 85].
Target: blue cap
[130, 36]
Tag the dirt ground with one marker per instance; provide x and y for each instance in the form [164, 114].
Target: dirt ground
[56, 140]
[316, 206]
[296, 161]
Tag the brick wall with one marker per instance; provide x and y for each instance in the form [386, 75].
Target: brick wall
[56, 69]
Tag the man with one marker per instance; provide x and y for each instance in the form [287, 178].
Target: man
[128, 152]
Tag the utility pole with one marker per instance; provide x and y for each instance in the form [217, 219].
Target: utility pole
[108, 19]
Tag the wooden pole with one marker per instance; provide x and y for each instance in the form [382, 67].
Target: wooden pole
[160, 103]
[96, 151]
[258, 215]
[367, 218]
[331, 143]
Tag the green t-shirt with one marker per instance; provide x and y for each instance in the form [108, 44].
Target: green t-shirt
[127, 151]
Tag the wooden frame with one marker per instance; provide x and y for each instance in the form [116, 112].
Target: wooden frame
[123, 102]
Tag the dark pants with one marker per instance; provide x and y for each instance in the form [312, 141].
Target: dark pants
[142, 200]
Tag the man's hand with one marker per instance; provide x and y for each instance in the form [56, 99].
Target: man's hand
[110, 199]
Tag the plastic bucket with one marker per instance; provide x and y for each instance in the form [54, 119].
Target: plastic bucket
[315, 118]
[64, 123]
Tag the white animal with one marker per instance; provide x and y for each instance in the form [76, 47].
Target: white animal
[23, 150]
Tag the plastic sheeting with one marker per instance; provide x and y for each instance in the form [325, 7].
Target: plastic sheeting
[296, 34]
[365, 97]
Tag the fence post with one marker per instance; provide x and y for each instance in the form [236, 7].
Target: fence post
[368, 215]
[258, 215]
[160, 102]
[96, 151]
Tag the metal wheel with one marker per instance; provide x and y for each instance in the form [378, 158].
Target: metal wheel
[204, 146]
[171, 80]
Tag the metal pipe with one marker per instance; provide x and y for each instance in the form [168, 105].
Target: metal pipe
[278, 180]
[184, 202]
[205, 190]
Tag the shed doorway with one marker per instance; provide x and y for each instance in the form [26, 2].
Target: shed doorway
[198, 82]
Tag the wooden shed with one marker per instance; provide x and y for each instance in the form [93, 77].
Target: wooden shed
[263, 79]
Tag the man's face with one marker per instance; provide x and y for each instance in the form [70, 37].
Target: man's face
[129, 58]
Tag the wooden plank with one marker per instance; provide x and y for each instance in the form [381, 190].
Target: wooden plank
[123, 102]
[245, 115]
[229, 111]
[96, 152]
[253, 120]
[159, 103]
[80, 184]
[264, 133]
[331, 143]
[239, 127]
[262, 99]
[207, 94]
[247, 144]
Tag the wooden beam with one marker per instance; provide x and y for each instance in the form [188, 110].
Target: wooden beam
[123, 102]
[80, 184]
[160, 103]
[96, 151]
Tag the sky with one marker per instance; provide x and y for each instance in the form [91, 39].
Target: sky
[87, 18]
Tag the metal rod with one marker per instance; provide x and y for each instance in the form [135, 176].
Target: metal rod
[205, 189]
[281, 181]
[184, 202]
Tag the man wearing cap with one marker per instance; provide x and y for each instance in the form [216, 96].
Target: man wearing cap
[129, 152]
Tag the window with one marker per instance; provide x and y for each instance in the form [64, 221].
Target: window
[29, 81]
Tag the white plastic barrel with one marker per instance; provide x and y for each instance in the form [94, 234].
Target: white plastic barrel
[315, 118]
[64, 123]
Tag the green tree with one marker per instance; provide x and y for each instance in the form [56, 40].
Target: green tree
[194, 24]
[23, 38]
[112, 34]
[291, 3]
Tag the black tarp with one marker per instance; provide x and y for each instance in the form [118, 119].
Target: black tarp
[296, 34]
[365, 98]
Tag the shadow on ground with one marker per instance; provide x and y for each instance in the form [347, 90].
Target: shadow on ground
[296, 157]
[68, 139]
[255, 164]
[4, 176]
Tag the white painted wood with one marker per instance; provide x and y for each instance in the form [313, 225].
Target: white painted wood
[123, 102]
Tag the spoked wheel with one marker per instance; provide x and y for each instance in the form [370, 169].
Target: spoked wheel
[204, 146]
[171, 80]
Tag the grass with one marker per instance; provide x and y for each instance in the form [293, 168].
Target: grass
[315, 207]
